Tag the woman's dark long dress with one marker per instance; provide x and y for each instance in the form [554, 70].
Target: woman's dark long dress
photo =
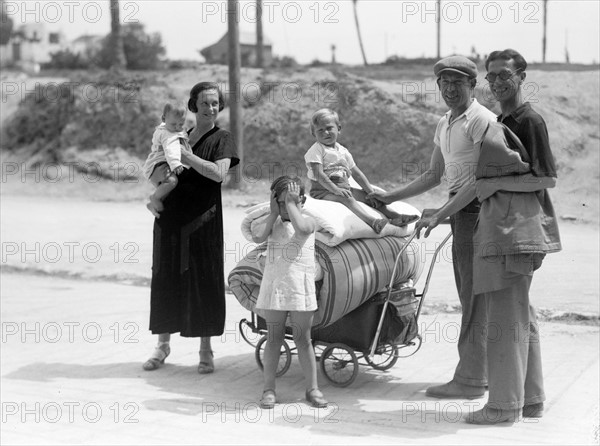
[188, 284]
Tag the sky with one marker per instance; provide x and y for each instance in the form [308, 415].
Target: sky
[307, 29]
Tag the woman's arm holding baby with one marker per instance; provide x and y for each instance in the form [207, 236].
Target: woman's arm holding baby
[216, 171]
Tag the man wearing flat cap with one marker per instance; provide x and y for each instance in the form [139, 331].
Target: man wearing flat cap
[455, 155]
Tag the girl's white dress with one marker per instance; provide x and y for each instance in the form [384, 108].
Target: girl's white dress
[288, 282]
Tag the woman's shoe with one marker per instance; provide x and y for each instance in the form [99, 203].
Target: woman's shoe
[158, 357]
[205, 367]
[316, 398]
[268, 400]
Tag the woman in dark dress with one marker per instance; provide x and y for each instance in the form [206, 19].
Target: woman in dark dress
[188, 284]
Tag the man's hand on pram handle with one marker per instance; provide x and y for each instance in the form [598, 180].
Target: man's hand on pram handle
[429, 220]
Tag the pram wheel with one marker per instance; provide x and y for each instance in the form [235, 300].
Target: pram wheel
[285, 358]
[248, 332]
[339, 364]
[410, 348]
[385, 357]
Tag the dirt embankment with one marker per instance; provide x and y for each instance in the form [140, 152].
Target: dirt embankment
[388, 124]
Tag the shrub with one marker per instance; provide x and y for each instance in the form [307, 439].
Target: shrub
[65, 59]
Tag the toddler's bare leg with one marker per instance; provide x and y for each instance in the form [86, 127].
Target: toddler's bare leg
[395, 218]
[155, 205]
[376, 223]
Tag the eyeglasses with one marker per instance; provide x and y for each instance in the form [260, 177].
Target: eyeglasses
[503, 75]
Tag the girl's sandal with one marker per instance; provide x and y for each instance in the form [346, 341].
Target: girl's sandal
[316, 398]
[268, 399]
[205, 367]
[158, 357]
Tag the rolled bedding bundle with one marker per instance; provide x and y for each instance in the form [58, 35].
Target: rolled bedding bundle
[347, 274]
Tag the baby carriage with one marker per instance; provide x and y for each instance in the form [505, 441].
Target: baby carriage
[376, 333]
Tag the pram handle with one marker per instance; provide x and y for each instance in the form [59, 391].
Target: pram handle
[391, 284]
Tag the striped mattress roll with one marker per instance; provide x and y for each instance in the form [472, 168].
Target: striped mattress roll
[350, 273]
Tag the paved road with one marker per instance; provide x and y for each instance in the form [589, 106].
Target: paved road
[71, 374]
[113, 240]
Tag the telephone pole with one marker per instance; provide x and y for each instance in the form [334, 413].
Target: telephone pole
[235, 99]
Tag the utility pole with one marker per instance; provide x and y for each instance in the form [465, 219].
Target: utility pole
[118, 60]
[259, 35]
[439, 29]
[235, 99]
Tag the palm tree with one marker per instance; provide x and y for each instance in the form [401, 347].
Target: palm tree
[362, 50]
[7, 25]
[116, 39]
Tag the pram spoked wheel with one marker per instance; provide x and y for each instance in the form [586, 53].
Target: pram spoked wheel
[385, 357]
[285, 358]
[248, 332]
[339, 364]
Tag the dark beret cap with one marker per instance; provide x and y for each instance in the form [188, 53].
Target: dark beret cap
[458, 64]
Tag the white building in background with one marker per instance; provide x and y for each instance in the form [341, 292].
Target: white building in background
[30, 46]
[86, 45]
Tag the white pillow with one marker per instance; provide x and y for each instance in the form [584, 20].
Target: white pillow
[335, 222]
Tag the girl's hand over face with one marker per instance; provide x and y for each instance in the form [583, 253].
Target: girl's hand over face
[293, 194]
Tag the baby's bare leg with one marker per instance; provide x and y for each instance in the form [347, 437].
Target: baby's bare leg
[166, 187]
[163, 188]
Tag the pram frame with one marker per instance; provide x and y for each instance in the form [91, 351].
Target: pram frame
[390, 351]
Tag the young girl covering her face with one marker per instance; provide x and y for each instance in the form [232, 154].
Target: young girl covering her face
[288, 286]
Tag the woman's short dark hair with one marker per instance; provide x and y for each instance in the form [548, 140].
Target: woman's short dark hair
[199, 88]
[507, 54]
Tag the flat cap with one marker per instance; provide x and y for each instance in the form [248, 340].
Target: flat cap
[458, 64]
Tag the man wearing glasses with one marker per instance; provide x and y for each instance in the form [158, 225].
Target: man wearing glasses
[455, 156]
[503, 280]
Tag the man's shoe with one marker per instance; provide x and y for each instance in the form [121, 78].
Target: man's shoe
[489, 416]
[533, 410]
[456, 390]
